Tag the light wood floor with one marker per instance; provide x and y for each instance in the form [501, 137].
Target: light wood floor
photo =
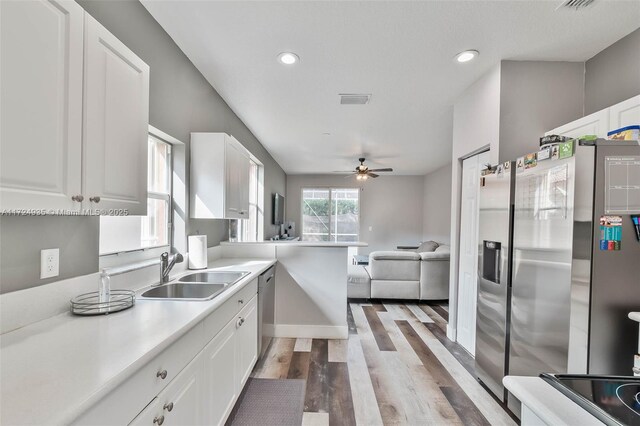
[396, 368]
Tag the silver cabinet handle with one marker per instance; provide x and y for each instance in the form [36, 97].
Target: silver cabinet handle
[159, 420]
[240, 322]
[95, 199]
[168, 407]
[162, 374]
[77, 198]
[241, 301]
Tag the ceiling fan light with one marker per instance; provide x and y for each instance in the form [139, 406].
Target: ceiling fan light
[365, 177]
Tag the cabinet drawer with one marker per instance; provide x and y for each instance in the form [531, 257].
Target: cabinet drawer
[180, 403]
[128, 399]
[221, 316]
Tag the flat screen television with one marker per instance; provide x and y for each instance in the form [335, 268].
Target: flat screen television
[278, 209]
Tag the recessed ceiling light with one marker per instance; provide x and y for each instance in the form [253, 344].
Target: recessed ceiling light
[288, 58]
[467, 56]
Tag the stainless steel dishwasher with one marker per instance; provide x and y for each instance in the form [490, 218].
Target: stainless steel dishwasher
[266, 309]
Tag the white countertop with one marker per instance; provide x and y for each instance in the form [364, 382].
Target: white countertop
[298, 243]
[53, 370]
[634, 316]
[548, 403]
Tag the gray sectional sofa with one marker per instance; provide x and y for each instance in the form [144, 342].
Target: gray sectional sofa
[422, 274]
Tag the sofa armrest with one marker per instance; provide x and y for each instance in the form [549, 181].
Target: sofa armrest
[434, 255]
[394, 255]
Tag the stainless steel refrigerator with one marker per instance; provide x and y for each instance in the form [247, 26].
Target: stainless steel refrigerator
[575, 266]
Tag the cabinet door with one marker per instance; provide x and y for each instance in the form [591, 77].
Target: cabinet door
[593, 124]
[219, 376]
[41, 104]
[243, 187]
[625, 113]
[247, 341]
[180, 403]
[116, 121]
[232, 185]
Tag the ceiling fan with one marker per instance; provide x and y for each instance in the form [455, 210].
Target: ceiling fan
[363, 172]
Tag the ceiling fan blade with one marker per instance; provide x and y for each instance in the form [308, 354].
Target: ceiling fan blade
[373, 175]
[381, 170]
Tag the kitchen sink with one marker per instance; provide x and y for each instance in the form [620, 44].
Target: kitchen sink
[215, 277]
[184, 291]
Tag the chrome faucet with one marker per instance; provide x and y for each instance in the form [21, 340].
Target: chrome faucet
[166, 265]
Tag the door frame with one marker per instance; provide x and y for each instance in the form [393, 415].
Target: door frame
[454, 266]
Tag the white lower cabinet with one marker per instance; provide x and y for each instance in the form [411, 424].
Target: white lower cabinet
[197, 379]
[220, 375]
[246, 342]
[180, 403]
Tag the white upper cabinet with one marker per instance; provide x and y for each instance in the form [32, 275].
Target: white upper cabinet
[625, 113]
[116, 117]
[599, 123]
[219, 177]
[593, 124]
[74, 112]
[41, 104]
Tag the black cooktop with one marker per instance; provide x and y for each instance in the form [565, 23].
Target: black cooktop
[614, 400]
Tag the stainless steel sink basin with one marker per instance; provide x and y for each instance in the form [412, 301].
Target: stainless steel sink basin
[214, 277]
[184, 291]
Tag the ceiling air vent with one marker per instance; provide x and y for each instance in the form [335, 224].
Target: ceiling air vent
[575, 4]
[354, 99]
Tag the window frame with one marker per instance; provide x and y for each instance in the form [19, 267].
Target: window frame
[164, 197]
[259, 205]
[329, 188]
[124, 257]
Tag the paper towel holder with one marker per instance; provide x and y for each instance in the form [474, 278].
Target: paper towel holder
[197, 247]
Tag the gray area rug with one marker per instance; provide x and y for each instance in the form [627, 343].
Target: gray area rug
[270, 402]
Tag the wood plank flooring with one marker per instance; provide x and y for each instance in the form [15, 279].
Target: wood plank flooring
[396, 368]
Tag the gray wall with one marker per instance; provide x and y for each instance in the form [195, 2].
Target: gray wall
[613, 75]
[535, 97]
[437, 206]
[181, 101]
[391, 205]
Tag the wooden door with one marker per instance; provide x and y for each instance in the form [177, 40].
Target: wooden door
[468, 266]
[116, 121]
[41, 104]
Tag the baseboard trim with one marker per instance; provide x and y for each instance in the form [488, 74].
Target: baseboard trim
[311, 331]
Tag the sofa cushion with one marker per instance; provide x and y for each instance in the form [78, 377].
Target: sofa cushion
[394, 255]
[427, 246]
[359, 282]
[443, 249]
[395, 269]
[357, 274]
[389, 289]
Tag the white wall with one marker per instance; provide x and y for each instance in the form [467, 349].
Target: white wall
[506, 111]
[476, 127]
[391, 205]
[436, 219]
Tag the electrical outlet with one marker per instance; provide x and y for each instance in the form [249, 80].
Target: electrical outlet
[49, 263]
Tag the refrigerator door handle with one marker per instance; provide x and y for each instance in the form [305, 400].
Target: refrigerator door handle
[498, 264]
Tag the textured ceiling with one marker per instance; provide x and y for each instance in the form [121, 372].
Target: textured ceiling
[400, 52]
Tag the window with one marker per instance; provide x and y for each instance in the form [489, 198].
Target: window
[330, 214]
[128, 233]
[248, 229]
